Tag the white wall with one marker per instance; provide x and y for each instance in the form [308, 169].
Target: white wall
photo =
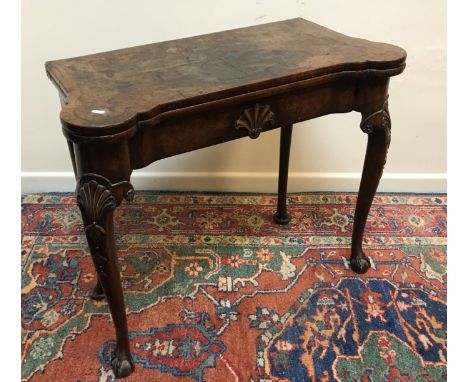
[327, 153]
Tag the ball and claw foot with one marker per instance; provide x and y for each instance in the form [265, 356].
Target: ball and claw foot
[359, 263]
[97, 293]
[282, 219]
[122, 366]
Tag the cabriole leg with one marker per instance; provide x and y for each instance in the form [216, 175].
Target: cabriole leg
[97, 204]
[377, 126]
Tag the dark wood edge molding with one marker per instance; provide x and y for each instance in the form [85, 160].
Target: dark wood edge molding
[111, 138]
[128, 127]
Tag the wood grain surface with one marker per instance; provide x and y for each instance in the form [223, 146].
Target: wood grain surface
[108, 92]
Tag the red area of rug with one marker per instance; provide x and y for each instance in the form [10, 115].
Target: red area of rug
[215, 290]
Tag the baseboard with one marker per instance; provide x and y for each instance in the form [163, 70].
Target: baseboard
[244, 181]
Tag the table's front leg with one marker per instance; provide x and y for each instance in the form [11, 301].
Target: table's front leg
[97, 201]
[377, 126]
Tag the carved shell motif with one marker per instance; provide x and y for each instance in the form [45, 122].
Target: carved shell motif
[254, 119]
[379, 119]
[94, 199]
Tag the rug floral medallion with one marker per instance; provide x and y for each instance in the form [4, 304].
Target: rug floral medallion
[216, 291]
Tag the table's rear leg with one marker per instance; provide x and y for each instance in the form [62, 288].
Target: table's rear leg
[97, 204]
[281, 216]
[377, 125]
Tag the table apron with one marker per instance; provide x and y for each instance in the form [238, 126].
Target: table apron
[207, 128]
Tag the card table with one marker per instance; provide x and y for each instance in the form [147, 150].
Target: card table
[124, 109]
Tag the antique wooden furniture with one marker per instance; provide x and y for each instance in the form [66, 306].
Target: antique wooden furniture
[124, 109]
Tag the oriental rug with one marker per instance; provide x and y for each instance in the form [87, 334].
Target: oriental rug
[216, 291]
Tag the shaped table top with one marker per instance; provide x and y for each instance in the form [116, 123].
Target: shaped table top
[107, 91]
